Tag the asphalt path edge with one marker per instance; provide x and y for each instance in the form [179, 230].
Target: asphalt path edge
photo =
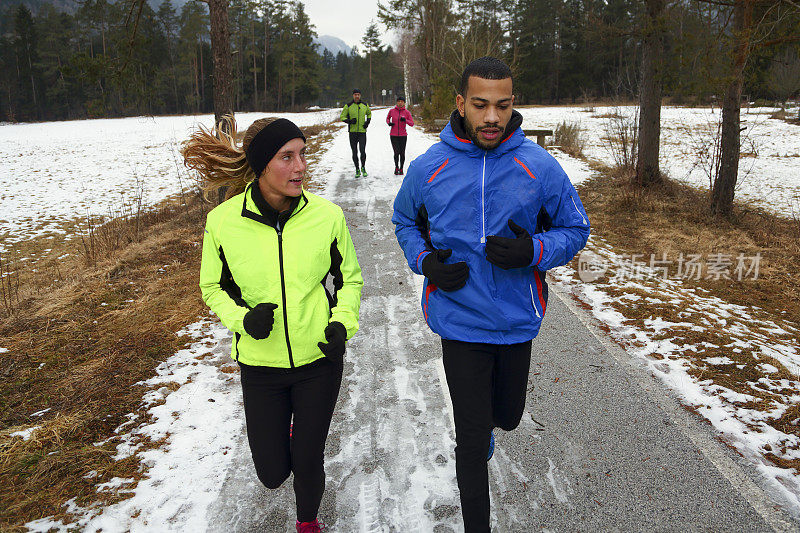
[715, 450]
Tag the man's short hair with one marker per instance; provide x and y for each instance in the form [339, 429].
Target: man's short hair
[488, 68]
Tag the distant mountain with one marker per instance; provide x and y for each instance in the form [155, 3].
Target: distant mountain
[333, 44]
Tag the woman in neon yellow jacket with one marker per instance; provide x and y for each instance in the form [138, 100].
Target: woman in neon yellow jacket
[267, 252]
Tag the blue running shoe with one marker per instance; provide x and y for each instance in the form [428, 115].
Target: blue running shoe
[491, 445]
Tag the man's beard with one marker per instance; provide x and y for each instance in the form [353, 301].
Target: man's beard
[474, 136]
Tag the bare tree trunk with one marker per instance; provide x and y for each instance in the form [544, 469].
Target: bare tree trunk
[647, 171]
[280, 85]
[406, 42]
[725, 183]
[266, 52]
[294, 80]
[202, 76]
[33, 82]
[196, 85]
[255, 74]
[221, 50]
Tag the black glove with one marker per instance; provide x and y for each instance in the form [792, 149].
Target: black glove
[366, 123]
[402, 119]
[350, 121]
[391, 123]
[510, 253]
[336, 335]
[258, 321]
[446, 277]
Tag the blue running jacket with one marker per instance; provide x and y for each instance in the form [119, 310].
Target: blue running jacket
[456, 194]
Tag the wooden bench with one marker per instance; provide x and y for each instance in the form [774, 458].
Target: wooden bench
[540, 135]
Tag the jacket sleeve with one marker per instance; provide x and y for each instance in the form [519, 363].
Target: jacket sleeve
[348, 286]
[367, 112]
[389, 117]
[345, 115]
[409, 118]
[570, 227]
[407, 204]
[211, 279]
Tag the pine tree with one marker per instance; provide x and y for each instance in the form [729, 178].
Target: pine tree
[372, 44]
[24, 41]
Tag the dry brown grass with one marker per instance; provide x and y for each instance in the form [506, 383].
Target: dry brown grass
[78, 344]
[674, 218]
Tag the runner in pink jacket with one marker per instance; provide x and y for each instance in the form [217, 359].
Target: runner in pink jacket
[397, 119]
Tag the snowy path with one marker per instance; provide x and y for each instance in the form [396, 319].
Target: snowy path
[603, 445]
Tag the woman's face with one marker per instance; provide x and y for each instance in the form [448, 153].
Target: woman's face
[284, 173]
[401, 104]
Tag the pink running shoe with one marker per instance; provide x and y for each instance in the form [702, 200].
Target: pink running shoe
[309, 527]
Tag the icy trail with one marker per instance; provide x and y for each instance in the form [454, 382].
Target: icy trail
[602, 446]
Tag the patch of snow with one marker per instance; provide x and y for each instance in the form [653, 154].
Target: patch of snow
[25, 433]
[718, 361]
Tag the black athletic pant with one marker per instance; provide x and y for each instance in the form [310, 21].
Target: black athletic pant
[271, 397]
[399, 147]
[358, 140]
[488, 384]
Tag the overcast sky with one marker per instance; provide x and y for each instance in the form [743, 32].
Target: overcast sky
[346, 21]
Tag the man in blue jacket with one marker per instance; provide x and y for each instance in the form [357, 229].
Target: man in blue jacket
[483, 214]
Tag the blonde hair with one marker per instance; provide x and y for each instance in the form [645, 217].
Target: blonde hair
[216, 158]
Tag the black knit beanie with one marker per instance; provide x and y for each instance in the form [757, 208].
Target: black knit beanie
[268, 141]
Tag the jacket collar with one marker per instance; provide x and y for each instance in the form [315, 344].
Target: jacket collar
[255, 207]
[455, 135]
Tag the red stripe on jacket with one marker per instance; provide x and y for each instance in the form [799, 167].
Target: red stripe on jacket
[428, 290]
[539, 289]
[439, 169]
[526, 168]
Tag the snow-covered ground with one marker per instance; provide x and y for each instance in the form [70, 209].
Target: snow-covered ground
[199, 434]
[771, 179]
[53, 172]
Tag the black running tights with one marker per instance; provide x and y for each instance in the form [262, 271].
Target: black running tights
[358, 140]
[488, 385]
[399, 147]
[271, 397]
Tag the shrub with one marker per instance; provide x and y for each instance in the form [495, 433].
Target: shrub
[568, 137]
